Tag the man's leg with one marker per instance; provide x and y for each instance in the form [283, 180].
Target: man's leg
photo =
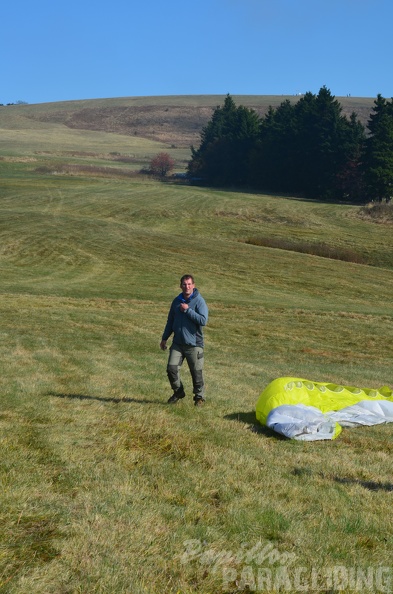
[195, 360]
[175, 361]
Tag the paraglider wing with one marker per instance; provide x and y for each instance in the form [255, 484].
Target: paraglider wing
[307, 410]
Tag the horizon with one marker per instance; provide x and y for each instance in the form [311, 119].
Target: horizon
[235, 96]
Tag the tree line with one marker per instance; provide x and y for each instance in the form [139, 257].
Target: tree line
[309, 148]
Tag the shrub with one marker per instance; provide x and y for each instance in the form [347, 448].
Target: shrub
[161, 164]
[378, 211]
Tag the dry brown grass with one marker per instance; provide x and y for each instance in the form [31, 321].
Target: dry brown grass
[175, 121]
[322, 250]
[89, 170]
[379, 212]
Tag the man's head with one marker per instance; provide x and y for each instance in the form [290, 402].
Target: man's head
[187, 285]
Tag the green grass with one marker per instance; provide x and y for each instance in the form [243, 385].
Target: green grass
[105, 488]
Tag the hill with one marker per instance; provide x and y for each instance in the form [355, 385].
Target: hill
[106, 488]
[173, 120]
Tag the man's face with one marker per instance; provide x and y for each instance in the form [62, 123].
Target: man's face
[187, 287]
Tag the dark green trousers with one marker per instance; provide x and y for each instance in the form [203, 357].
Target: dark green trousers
[194, 357]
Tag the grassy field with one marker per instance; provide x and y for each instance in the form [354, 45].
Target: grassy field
[107, 489]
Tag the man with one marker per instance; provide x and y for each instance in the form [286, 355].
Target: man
[187, 316]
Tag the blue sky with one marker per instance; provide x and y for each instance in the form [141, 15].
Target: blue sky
[80, 49]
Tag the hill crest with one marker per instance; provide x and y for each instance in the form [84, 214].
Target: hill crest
[173, 120]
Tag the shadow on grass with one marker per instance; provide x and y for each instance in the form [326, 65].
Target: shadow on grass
[370, 485]
[248, 418]
[115, 400]
[273, 194]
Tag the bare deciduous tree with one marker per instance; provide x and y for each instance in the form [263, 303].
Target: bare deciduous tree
[161, 164]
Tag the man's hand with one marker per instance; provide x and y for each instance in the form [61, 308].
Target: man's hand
[163, 346]
[183, 306]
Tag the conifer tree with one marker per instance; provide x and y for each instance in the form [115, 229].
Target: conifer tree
[276, 149]
[320, 143]
[379, 151]
[226, 141]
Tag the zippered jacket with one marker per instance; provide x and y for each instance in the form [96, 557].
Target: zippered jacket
[187, 325]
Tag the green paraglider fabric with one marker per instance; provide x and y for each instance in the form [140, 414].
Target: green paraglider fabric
[308, 410]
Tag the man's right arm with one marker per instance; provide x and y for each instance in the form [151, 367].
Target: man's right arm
[167, 330]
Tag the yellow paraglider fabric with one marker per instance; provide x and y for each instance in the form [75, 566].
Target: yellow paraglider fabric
[304, 409]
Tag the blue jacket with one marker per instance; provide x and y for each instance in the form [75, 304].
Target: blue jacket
[187, 326]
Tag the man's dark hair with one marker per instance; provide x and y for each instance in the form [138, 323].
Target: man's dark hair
[185, 277]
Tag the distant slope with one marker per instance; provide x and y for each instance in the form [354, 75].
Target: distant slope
[173, 120]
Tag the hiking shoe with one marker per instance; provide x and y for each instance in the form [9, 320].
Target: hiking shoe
[176, 396]
[199, 401]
